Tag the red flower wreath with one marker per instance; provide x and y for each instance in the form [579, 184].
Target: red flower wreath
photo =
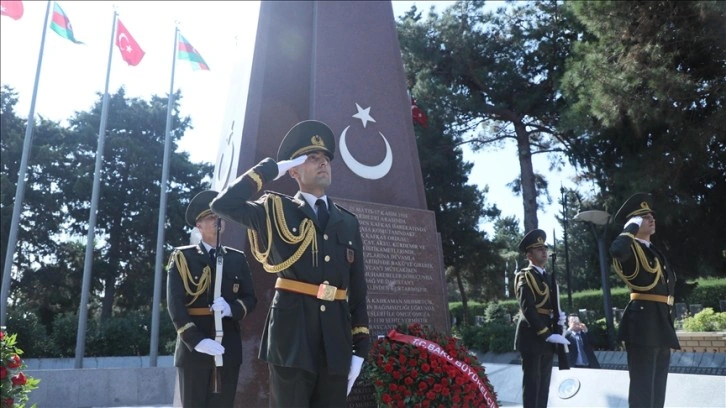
[407, 375]
[14, 384]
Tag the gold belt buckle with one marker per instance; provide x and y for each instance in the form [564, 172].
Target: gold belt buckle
[670, 300]
[326, 292]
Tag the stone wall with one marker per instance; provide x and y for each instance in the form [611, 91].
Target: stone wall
[703, 341]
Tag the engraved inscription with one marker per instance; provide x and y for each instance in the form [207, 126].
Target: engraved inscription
[403, 266]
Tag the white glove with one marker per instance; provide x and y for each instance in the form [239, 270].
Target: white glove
[221, 304]
[209, 346]
[558, 339]
[355, 365]
[285, 165]
[562, 320]
[634, 220]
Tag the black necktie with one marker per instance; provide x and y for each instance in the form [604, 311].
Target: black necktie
[213, 255]
[323, 214]
[544, 276]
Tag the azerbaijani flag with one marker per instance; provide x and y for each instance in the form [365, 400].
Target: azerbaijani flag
[61, 25]
[189, 53]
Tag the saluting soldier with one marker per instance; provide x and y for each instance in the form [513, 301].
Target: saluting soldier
[191, 303]
[534, 337]
[316, 334]
[647, 324]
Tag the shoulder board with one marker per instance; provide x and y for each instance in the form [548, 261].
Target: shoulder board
[230, 249]
[185, 247]
[524, 270]
[270, 192]
[341, 208]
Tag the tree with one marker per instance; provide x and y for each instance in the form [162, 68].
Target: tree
[497, 73]
[646, 86]
[60, 176]
[42, 209]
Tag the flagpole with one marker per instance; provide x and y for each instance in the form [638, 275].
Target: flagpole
[162, 215]
[20, 187]
[88, 264]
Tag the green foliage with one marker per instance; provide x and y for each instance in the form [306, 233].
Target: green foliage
[127, 335]
[645, 86]
[495, 337]
[705, 321]
[497, 313]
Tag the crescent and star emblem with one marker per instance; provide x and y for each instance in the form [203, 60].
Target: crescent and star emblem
[367, 172]
[123, 41]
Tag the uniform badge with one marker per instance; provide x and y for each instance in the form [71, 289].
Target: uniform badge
[235, 288]
[350, 255]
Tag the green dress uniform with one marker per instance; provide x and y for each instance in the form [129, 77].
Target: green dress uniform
[647, 323]
[535, 324]
[190, 288]
[318, 316]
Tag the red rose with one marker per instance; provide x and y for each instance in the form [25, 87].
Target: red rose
[431, 395]
[425, 368]
[14, 361]
[2, 335]
[3, 372]
[19, 379]
[8, 402]
[386, 399]
[408, 381]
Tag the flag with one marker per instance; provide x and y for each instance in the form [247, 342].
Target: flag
[61, 25]
[189, 53]
[131, 52]
[12, 9]
[417, 114]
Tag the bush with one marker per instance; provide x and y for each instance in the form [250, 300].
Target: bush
[705, 321]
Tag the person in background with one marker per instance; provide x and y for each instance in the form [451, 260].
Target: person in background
[191, 274]
[316, 335]
[581, 353]
[534, 337]
[647, 325]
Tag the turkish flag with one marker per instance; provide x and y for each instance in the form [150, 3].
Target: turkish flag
[130, 50]
[417, 114]
[12, 9]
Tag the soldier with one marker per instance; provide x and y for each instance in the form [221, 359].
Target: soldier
[647, 324]
[316, 335]
[534, 337]
[191, 302]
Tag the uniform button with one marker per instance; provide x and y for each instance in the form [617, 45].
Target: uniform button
[350, 243]
[322, 308]
[325, 237]
[327, 258]
[294, 229]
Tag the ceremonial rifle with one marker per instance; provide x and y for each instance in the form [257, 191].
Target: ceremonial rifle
[216, 381]
[562, 349]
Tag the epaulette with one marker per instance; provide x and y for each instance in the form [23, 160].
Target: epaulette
[341, 208]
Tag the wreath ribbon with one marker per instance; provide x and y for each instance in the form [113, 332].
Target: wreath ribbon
[435, 349]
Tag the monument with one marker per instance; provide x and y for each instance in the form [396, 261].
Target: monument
[339, 62]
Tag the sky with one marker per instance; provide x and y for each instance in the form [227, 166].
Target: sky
[72, 76]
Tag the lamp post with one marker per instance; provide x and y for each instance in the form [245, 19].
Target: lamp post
[598, 218]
